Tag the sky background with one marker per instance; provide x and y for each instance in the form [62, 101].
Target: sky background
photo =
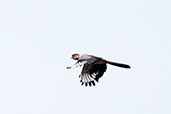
[38, 36]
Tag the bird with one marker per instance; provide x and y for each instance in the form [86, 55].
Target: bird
[93, 67]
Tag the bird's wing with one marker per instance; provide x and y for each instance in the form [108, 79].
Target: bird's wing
[79, 63]
[85, 59]
[92, 72]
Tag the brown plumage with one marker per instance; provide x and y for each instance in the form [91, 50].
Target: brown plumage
[93, 67]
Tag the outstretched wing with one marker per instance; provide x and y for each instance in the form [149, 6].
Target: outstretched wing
[91, 73]
[79, 63]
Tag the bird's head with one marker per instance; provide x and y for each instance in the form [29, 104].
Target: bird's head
[75, 56]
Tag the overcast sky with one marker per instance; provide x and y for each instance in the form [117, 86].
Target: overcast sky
[38, 36]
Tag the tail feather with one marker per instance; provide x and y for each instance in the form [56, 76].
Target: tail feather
[118, 64]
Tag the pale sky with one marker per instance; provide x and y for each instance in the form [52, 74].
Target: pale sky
[38, 36]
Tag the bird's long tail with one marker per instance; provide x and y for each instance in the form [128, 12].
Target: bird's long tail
[118, 64]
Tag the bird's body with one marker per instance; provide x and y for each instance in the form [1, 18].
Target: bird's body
[93, 67]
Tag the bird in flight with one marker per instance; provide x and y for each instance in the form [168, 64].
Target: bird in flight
[93, 67]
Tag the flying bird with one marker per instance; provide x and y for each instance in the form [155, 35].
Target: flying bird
[93, 67]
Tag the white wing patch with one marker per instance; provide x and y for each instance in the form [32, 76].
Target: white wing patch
[88, 78]
[94, 75]
[77, 64]
[80, 63]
